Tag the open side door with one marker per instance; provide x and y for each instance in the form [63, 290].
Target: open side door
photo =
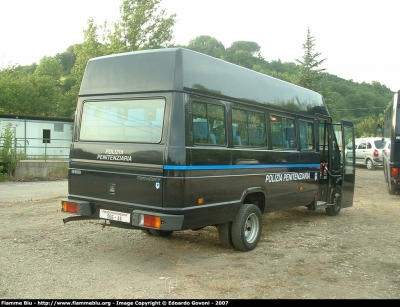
[348, 163]
[336, 182]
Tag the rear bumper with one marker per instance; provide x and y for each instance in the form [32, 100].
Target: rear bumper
[137, 218]
[168, 221]
[395, 182]
[377, 161]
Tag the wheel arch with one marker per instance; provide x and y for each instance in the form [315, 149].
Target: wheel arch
[255, 196]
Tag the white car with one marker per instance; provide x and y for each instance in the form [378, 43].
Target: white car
[368, 151]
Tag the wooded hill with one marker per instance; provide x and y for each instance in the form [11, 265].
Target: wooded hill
[50, 88]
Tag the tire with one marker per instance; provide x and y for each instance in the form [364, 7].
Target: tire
[225, 235]
[391, 189]
[146, 231]
[337, 200]
[161, 233]
[369, 164]
[247, 228]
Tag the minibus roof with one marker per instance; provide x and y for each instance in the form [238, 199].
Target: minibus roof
[178, 69]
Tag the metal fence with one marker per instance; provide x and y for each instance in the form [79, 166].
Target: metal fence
[42, 148]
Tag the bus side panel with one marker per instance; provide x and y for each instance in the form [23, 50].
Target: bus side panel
[393, 161]
[209, 179]
[269, 170]
[208, 216]
[395, 154]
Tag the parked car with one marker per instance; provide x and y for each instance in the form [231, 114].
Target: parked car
[368, 151]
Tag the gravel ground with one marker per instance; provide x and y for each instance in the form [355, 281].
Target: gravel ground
[301, 254]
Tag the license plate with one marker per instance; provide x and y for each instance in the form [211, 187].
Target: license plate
[115, 216]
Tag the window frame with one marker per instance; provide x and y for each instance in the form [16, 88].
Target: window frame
[120, 127]
[311, 125]
[285, 144]
[215, 132]
[251, 134]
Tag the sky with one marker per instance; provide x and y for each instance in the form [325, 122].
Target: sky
[357, 38]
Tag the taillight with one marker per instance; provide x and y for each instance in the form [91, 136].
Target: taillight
[394, 173]
[376, 154]
[69, 207]
[384, 152]
[150, 221]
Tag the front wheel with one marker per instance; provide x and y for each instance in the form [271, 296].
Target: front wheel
[247, 228]
[334, 209]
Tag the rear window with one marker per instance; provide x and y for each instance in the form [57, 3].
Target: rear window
[138, 120]
[379, 144]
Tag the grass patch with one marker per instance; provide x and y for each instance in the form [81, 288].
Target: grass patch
[60, 172]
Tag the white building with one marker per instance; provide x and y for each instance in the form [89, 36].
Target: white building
[39, 137]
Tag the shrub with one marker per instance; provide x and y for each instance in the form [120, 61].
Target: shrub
[9, 156]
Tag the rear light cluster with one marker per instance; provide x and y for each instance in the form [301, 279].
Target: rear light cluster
[69, 207]
[394, 173]
[376, 154]
[150, 220]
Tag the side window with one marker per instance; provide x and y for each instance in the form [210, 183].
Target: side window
[283, 132]
[208, 124]
[369, 146]
[248, 128]
[362, 146]
[240, 130]
[306, 135]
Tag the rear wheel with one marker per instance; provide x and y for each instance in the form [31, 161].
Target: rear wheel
[369, 164]
[247, 228]
[161, 233]
[391, 188]
[225, 235]
[334, 209]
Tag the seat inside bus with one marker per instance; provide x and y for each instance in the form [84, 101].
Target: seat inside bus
[201, 132]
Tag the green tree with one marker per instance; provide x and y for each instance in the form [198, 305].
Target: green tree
[143, 25]
[309, 73]
[31, 94]
[243, 53]
[67, 59]
[46, 97]
[207, 45]
[90, 48]
[251, 47]
[367, 127]
[51, 67]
